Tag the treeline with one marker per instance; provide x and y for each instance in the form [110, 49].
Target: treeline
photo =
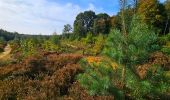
[7, 36]
[155, 14]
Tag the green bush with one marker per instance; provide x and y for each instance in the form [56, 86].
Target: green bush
[166, 50]
[154, 86]
[130, 50]
[2, 43]
[28, 47]
[98, 79]
[165, 42]
[164, 39]
[133, 48]
[50, 46]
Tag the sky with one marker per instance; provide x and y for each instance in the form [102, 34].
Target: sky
[48, 16]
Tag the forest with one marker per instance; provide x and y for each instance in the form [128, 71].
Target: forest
[101, 57]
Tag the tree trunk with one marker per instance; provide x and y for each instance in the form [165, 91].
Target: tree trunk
[123, 6]
[123, 77]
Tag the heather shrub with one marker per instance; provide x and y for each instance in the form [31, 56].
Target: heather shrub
[48, 76]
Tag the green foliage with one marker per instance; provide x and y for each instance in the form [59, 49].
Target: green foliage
[166, 50]
[28, 47]
[152, 13]
[2, 42]
[55, 39]
[99, 44]
[159, 83]
[67, 29]
[154, 86]
[7, 35]
[165, 41]
[136, 88]
[93, 45]
[101, 24]
[88, 21]
[89, 39]
[98, 80]
[117, 20]
[133, 48]
[84, 23]
[50, 46]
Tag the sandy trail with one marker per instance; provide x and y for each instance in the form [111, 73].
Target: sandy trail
[6, 54]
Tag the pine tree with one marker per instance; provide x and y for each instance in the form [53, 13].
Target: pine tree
[98, 79]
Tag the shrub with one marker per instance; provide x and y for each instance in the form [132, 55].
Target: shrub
[77, 92]
[130, 50]
[99, 44]
[154, 85]
[165, 42]
[133, 48]
[97, 79]
[28, 47]
[50, 46]
[2, 44]
[48, 76]
[166, 48]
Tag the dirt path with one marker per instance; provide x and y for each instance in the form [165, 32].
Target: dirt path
[6, 54]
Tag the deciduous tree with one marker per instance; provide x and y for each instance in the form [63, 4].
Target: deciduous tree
[67, 29]
[84, 23]
[101, 24]
[150, 12]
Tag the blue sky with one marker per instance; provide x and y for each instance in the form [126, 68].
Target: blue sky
[47, 16]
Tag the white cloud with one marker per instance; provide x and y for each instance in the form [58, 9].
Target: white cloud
[38, 16]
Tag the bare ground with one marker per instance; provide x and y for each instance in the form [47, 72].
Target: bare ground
[6, 54]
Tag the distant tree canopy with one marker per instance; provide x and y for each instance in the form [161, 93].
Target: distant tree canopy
[101, 24]
[2, 40]
[16, 36]
[8, 35]
[89, 22]
[84, 22]
[151, 12]
[67, 29]
[167, 7]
